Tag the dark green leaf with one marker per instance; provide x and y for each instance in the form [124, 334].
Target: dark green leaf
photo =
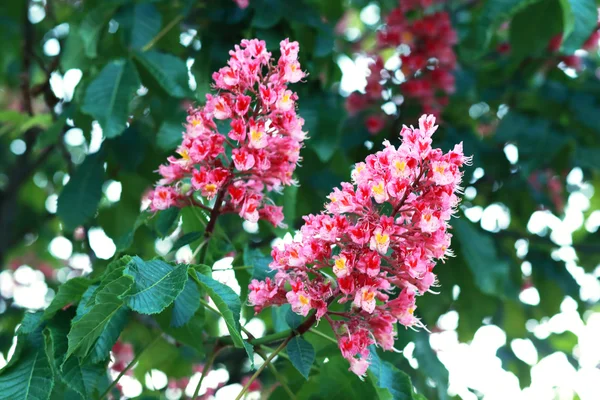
[585, 16]
[339, 383]
[532, 28]
[140, 23]
[188, 238]
[292, 319]
[89, 327]
[108, 96]
[169, 135]
[185, 305]
[165, 221]
[169, 71]
[259, 262]
[227, 302]
[92, 26]
[479, 250]
[302, 355]
[79, 199]
[156, 285]
[68, 293]
[386, 376]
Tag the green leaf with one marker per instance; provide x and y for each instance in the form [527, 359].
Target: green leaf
[169, 135]
[532, 28]
[85, 378]
[430, 364]
[165, 221]
[227, 302]
[86, 330]
[185, 305]
[340, 383]
[140, 23]
[302, 355]
[108, 96]
[69, 292]
[585, 16]
[385, 376]
[292, 319]
[30, 378]
[170, 72]
[479, 250]
[267, 13]
[250, 352]
[92, 26]
[187, 334]
[188, 238]
[259, 263]
[110, 335]
[80, 197]
[156, 285]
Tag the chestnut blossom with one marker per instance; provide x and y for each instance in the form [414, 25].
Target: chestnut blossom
[375, 246]
[259, 152]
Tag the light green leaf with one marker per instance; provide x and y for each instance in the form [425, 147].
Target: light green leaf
[339, 383]
[69, 292]
[302, 355]
[80, 197]
[585, 15]
[108, 96]
[170, 72]
[156, 285]
[86, 330]
[227, 302]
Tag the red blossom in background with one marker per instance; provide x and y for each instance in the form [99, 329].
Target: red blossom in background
[424, 44]
[261, 149]
[380, 236]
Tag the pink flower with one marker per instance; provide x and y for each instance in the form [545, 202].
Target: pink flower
[382, 233]
[261, 150]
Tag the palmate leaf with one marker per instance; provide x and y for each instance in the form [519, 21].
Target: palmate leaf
[302, 355]
[227, 302]
[86, 330]
[338, 383]
[109, 335]
[156, 285]
[69, 292]
[187, 334]
[165, 221]
[92, 26]
[141, 22]
[584, 15]
[79, 199]
[108, 96]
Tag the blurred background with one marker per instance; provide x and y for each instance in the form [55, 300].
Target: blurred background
[94, 93]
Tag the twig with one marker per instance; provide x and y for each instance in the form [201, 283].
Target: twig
[207, 368]
[128, 367]
[277, 375]
[262, 367]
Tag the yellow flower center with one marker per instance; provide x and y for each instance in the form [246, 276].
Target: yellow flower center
[293, 67]
[340, 263]
[378, 189]
[303, 299]
[400, 165]
[411, 311]
[368, 296]
[255, 135]
[439, 169]
[185, 155]
[427, 217]
[210, 187]
[381, 238]
[196, 122]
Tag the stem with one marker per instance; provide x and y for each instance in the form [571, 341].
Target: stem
[207, 368]
[162, 33]
[277, 375]
[262, 367]
[214, 214]
[128, 367]
[319, 333]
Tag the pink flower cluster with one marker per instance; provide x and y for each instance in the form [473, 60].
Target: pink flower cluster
[379, 237]
[427, 63]
[259, 152]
